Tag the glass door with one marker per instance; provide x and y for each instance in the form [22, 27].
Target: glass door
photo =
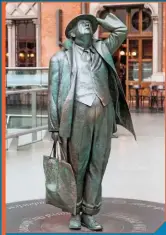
[146, 59]
[139, 61]
[133, 60]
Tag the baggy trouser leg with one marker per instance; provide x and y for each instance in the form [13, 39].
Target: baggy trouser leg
[103, 129]
[79, 146]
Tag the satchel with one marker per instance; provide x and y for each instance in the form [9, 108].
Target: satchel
[60, 181]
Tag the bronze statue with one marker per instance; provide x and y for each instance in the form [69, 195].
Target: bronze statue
[86, 102]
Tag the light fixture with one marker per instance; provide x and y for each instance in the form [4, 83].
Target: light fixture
[21, 55]
[134, 53]
[7, 54]
[122, 52]
[32, 55]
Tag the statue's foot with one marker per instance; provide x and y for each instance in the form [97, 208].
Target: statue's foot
[114, 136]
[90, 222]
[75, 222]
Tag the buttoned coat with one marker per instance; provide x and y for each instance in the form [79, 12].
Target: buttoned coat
[63, 78]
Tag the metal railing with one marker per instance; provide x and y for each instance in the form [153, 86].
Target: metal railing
[26, 113]
[26, 77]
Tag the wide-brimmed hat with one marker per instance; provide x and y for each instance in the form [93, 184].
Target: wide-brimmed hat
[74, 21]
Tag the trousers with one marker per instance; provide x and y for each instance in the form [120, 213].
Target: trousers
[88, 152]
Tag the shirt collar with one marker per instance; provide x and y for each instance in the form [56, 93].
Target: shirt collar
[81, 49]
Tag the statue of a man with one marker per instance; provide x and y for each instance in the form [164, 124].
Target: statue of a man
[86, 102]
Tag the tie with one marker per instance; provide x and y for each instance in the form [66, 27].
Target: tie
[86, 56]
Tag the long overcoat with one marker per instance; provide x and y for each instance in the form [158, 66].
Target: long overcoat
[63, 78]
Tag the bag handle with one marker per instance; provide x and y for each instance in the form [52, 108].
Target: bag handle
[59, 153]
[53, 147]
[52, 150]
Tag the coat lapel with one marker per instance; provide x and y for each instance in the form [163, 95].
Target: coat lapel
[69, 58]
[67, 110]
[105, 54]
[68, 51]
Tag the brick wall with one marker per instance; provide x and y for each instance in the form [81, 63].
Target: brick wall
[48, 25]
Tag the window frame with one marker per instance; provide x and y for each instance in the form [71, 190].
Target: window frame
[25, 40]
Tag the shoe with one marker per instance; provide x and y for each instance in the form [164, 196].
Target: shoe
[75, 222]
[114, 136]
[89, 222]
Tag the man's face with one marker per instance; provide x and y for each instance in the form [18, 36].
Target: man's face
[84, 27]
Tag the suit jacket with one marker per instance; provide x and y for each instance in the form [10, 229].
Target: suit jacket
[63, 75]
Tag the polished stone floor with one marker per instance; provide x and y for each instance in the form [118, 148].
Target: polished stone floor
[116, 215]
[135, 169]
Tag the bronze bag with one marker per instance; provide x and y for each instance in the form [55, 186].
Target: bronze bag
[60, 181]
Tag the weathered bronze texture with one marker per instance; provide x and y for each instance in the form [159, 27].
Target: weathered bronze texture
[85, 103]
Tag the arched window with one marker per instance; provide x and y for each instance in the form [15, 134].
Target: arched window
[23, 28]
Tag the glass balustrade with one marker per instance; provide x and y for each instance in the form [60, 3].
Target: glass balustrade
[26, 104]
[21, 78]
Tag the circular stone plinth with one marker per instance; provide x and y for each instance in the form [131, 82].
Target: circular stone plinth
[117, 215]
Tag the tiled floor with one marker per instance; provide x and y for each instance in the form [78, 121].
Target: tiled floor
[135, 169]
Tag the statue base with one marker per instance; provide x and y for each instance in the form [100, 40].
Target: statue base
[116, 216]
